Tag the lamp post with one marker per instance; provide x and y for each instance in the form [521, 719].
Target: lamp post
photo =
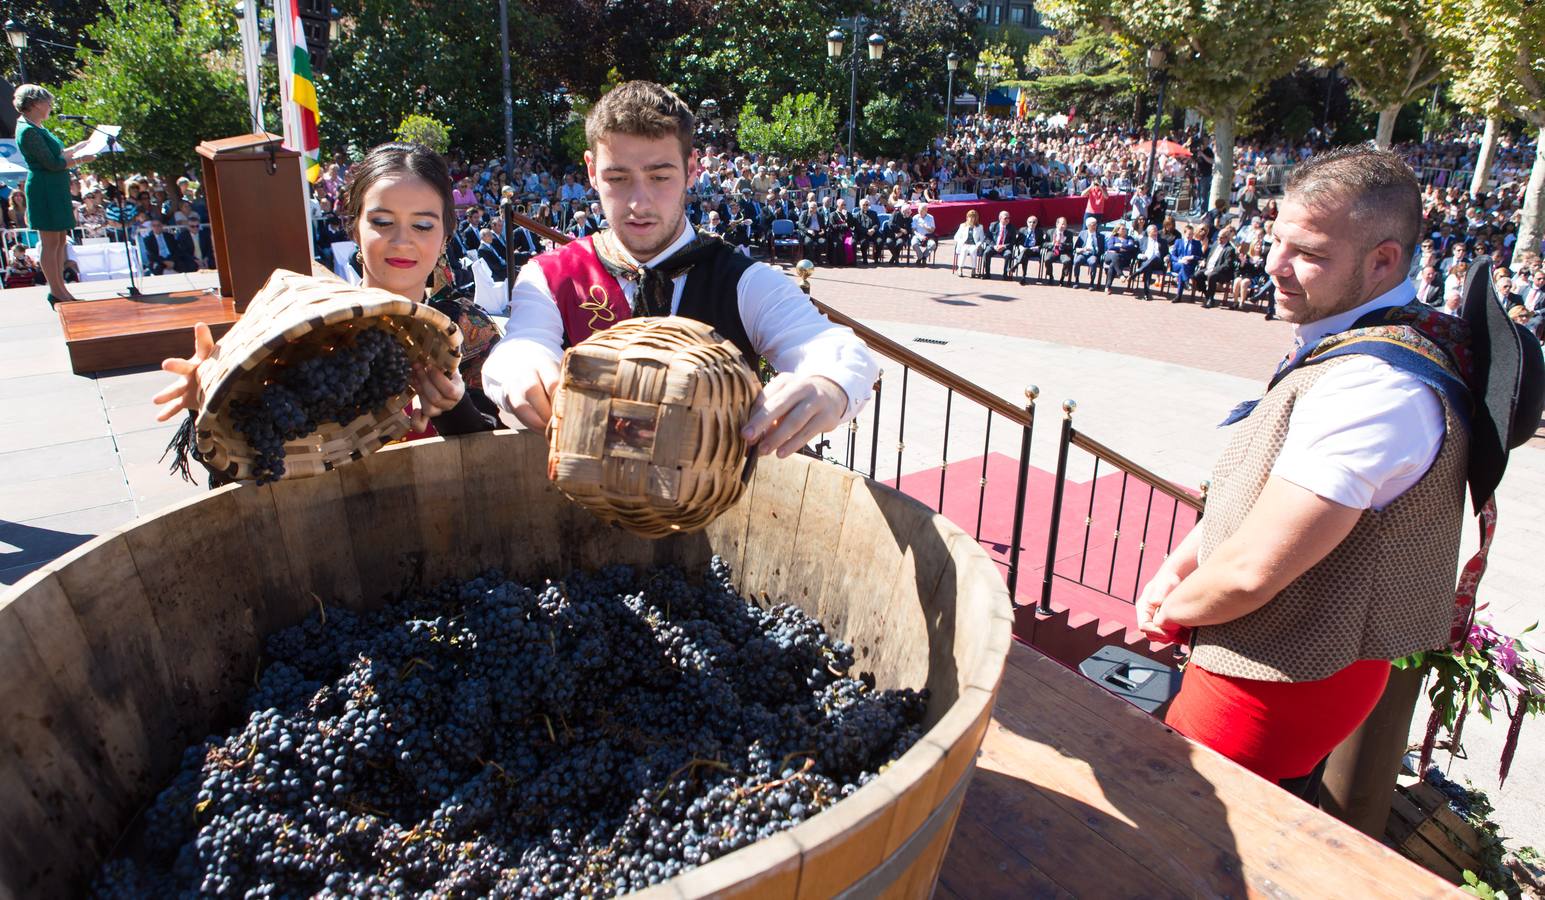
[981, 79]
[951, 62]
[1157, 60]
[508, 97]
[834, 46]
[16, 33]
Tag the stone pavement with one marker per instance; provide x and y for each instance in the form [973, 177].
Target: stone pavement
[80, 455]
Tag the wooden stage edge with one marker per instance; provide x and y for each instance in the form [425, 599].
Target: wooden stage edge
[1079, 794]
[121, 332]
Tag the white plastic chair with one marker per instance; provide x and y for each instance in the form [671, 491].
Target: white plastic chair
[491, 296]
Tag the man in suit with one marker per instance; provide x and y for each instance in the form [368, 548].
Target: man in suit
[713, 226]
[866, 234]
[469, 232]
[1000, 245]
[812, 230]
[201, 245]
[523, 245]
[582, 226]
[1429, 287]
[488, 253]
[1532, 297]
[739, 226]
[1027, 246]
[163, 252]
[1150, 259]
[1183, 259]
[839, 227]
[1088, 248]
[1058, 248]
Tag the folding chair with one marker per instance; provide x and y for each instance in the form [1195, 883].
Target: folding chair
[781, 235]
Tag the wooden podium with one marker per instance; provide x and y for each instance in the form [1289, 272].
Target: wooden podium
[257, 212]
[257, 217]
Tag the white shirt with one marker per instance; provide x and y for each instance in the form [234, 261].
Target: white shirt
[1366, 431]
[923, 225]
[782, 323]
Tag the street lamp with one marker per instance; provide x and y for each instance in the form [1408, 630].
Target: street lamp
[16, 33]
[986, 84]
[951, 62]
[1158, 60]
[334, 26]
[835, 43]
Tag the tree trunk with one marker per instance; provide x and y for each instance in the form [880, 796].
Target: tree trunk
[1223, 156]
[1386, 133]
[1532, 228]
[1487, 157]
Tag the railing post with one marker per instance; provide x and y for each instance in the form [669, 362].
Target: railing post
[1031, 393]
[874, 430]
[1068, 406]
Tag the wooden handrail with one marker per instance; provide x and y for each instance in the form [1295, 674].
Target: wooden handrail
[877, 341]
[1089, 444]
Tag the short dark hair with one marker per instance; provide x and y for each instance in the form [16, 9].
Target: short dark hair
[390, 161]
[1385, 197]
[641, 109]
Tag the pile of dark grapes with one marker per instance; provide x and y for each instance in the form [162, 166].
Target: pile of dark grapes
[337, 385]
[485, 738]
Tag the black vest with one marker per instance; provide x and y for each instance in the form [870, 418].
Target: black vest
[712, 295]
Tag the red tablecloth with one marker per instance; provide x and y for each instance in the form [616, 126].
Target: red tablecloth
[947, 215]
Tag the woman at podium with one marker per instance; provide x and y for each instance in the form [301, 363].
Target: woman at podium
[50, 210]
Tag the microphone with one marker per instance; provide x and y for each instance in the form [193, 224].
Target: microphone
[73, 118]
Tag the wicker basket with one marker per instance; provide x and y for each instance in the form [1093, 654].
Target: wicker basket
[293, 316]
[646, 425]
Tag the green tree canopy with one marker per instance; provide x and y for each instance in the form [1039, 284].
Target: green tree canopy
[801, 125]
[1219, 52]
[425, 130]
[1082, 70]
[1500, 66]
[1387, 49]
[165, 73]
[897, 127]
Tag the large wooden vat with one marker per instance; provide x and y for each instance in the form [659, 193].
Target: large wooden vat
[121, 653]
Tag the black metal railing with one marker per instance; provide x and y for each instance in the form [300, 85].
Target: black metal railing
[1172, 503]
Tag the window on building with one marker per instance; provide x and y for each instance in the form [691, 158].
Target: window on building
[981, 12]
[997, 15]
[1019, 15]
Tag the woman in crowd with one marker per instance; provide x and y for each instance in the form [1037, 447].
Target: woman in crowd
[91, 216]
[47, 198]
[399, 207]
[968, 241]
[1252, 277]
[1120, 251]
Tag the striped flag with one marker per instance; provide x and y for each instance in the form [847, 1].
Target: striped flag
[301, 116]
[1023, 107]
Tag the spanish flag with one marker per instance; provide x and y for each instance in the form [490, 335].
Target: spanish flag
[301, 121]
[1022, 108]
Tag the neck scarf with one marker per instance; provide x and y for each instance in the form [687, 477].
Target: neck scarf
[655, 282]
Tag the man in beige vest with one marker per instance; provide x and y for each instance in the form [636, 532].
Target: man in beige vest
[1331, 536]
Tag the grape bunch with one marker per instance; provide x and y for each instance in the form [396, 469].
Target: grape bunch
[337, 386]
[590, 736]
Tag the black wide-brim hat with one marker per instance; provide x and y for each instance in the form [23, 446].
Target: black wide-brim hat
[1507, 382]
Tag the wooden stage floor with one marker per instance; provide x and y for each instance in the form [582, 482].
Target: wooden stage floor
[1079, 794]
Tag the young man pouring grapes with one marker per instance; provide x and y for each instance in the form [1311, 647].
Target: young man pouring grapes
[651, 262]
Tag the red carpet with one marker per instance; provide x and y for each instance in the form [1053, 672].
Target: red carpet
[1100, 566]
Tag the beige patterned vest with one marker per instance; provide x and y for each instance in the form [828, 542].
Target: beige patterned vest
[1386, 591]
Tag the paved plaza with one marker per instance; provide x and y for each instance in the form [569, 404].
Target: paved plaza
[81, 455]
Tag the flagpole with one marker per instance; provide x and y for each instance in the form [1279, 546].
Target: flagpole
[252, 61]
[284, 49]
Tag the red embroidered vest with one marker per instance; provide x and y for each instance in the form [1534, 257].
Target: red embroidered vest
[589, 299]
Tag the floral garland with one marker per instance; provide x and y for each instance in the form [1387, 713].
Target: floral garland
[1489, 668]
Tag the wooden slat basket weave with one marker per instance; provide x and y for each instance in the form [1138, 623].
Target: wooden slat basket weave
[291, 318]
[646, 425]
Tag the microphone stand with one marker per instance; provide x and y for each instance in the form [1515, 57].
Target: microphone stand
[133, 291]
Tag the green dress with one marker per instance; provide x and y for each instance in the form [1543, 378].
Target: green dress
[49, 207]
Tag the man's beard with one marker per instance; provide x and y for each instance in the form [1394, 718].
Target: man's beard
[671, 232]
